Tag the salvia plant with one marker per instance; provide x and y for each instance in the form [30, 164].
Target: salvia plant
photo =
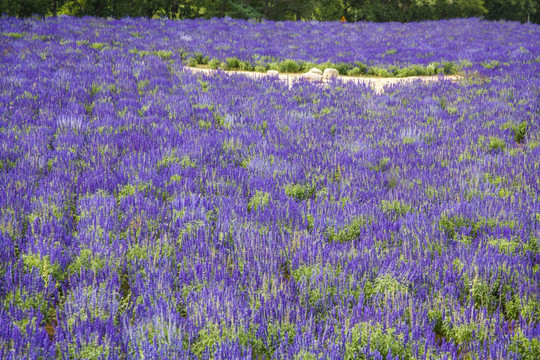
[149, 212]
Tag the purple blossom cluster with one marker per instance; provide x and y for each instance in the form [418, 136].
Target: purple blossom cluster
[149, 212]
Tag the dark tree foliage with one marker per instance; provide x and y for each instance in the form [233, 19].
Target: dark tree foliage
[322, 10]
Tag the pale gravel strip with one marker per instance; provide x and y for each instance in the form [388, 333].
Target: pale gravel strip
[378, 84]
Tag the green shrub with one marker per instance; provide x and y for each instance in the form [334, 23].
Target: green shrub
[453, 225]
[96, 88]
[301, 192]
[289, 66]
[307, 65]
[356, 71]
[395, 209]
[201, 59]
[449, 68]
[232, 63]
[163, 54]
[385, 340]
[381, 165]
[377, 71]
[433, 68]
[491, 64]
[97, 46]
[246, 66]
[214, 64]
[348, 232]
[192, 62]
[463, 64]
[343, 68]
[13, 35]
[496, 143]
[520, 131]
[526, 348]
[258, 201]
[168, 160]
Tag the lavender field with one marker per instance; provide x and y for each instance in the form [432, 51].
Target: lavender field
[147, 212]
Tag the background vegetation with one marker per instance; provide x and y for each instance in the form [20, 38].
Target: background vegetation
[353, 10]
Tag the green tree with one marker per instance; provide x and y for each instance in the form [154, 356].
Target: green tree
[328, 10]
[517, 10]
[446, 9]
[25, 8]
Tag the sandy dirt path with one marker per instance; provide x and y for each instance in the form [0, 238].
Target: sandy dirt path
[377, 84]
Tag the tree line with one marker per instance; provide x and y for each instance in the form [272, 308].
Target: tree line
[322, 10]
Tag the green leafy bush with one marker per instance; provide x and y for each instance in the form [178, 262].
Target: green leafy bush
[13, 35]
[395, 209]
[214, 64]
[496, 143]
[192, 62]
[348, 232]
[258, 201]
[301, 192]
[378, 71]
[232, 63]
[493, 64]
[520, 131]
[450, 68]
[289, 66]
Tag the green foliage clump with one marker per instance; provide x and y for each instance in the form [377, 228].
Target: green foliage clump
[348, 232]
[168, 160]
[416, 70]
[24, 300]
[163, 54]
[258, 201]
[213, 334]
[187, 162]
[13, 35]
[214, 64]
[343, 68]
[192, 62]
[141, 85]
[395, 209]
[450, 68]
[359, 69]
[384, 340]
[232, 63]
[496, 143]
[378, 71]
[246, 66]
[86, 260]
[526, 348]
[289, 66]
[493, 64]
[97, 46]
[381, 165]
[520, 131]
[301, 192]
[204, 125]
[89, 350]
[43, 265]
[130, 190]
[452, 226]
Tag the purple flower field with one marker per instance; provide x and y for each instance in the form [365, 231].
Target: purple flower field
[147, 212]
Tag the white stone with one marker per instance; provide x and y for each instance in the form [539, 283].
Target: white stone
[330, 73]
[272, 73]
[315, 71]
[312, 77]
